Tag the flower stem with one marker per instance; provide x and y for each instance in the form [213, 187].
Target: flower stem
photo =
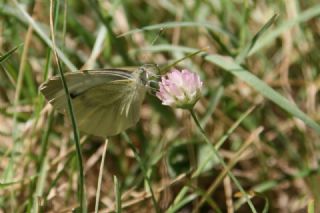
[221, 161]
[144, 170]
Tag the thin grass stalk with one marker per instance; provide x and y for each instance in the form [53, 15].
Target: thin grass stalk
[81, 186]
[117, 192]
[96, 208]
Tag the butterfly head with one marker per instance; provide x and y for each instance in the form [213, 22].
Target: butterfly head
[149, 76]
[148, 72]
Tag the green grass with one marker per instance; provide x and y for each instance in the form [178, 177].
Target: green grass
[259, 62]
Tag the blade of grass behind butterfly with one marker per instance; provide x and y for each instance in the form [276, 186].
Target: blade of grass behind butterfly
[81, 186]
[228, 64]
[245, 51]
[9, 53]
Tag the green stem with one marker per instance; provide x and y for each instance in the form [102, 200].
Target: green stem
[221, 161]
[81, 187]
[144, 170]
[76, 136]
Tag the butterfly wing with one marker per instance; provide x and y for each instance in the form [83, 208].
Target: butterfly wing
[109, 108]
[105, 103]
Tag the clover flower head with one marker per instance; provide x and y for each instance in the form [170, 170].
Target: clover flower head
[181, 89]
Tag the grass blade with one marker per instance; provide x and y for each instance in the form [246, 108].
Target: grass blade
[96, 209]
[270, 37]
[244, 53]
[117, 192]
[9, 53]
[81, 186]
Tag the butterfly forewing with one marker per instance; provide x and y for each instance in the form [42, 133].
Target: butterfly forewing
[105, 102]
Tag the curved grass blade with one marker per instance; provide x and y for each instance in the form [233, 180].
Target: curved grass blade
[244, 53]
[270, 37]
[9, 53]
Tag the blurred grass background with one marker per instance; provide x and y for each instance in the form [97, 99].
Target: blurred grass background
[273, 154]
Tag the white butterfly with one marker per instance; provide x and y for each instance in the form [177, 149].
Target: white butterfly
[106, 102]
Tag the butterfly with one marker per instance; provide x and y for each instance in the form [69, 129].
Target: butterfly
[105, 101]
